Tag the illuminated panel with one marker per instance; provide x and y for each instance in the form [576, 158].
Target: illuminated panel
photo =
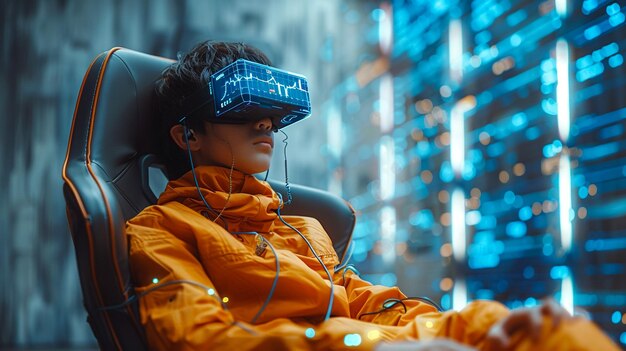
[597, 144]
[512, 244]
[509, 154]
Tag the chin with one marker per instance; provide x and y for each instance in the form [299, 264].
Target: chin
[258, 168]
[253, 163]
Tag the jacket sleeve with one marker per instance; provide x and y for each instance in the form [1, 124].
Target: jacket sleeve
[182, 310]
[365, 298]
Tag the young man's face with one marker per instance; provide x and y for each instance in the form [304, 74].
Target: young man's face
[251, 145]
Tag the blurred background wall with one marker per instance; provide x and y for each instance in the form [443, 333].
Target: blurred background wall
[481, 142]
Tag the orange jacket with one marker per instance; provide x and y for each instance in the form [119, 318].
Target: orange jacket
[201, 286]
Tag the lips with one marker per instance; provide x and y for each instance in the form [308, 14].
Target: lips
[265, 140]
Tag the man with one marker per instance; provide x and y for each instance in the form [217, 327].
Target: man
[217, 267]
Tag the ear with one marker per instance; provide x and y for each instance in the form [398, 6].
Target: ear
[177, 133]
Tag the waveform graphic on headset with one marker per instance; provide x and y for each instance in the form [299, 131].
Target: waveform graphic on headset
[251, 82]
[272, 86]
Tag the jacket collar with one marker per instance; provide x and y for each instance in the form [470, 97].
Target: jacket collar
[251, 205]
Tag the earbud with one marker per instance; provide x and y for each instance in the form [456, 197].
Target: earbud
[188, 133]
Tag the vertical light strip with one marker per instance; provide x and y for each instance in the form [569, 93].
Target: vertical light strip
[457, 139]
[387, 171]
[385, 29]
[455, 50]
[562, 88]
[565, 201]
[561, 7]
[334, 132]
[567, 293]
[565, 176]
[458, 225]
[563, 114]
[457, 132]
[459, 295]
[388, 234]
[457, 159]
[386, 103]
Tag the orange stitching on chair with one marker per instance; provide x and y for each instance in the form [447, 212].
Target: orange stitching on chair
[75, 191]
[88, 164]
[69, 143]
[79, 202]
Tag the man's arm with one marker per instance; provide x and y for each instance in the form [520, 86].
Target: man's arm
[367, 301]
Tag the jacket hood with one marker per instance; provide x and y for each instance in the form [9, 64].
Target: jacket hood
[251, 206]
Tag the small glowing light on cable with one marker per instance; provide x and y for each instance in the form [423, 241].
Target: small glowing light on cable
[225, 299]
[373, 334]
[211, 292]
[352, 340]
[155, 280]
[429, 324]
[309, 332]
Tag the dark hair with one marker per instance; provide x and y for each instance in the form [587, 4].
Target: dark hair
[185, 77]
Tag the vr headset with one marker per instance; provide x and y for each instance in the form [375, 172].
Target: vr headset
[246, 91]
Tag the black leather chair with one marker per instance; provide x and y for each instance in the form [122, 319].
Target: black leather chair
[111, 173]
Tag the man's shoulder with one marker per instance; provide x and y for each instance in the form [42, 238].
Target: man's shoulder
[171, 216]
[170, 212]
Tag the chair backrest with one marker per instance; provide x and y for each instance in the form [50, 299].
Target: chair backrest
[111, 173]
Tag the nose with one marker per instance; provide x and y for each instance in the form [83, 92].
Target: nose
[264, 124]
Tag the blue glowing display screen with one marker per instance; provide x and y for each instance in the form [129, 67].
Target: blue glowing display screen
[506, 138]
[243, 85]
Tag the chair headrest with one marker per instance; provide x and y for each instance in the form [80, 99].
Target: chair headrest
[119, 123]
